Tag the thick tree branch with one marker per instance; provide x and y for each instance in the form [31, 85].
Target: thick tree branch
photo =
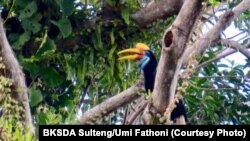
[174, 42]
[14, 71]
[159, 10]
[112, 103]
[236, 46]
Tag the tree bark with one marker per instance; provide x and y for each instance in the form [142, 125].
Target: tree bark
[159, 10]
[173, 45]
[14, 71]
[236, 46]
[135, 111]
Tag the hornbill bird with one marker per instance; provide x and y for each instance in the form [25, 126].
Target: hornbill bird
[148, 63]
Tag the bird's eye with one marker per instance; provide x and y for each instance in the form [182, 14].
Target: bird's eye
[147, 53]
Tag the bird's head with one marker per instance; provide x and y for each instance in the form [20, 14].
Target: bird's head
[140, 52]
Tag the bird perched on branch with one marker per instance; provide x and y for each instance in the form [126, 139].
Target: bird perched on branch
[148, 63]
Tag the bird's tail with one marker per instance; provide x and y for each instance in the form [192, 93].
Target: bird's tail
[179, 111]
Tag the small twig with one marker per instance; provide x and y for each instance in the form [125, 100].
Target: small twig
[211, 89]
[195, 114]
[217, 77]
[125, 115]
[9, 11]
[64, 92]
[221, 55]
[84, 92]
[242, 38]
[31, 83]
[236, 35]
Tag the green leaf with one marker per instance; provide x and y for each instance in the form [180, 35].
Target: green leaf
[209, 97]
[47, 47]
[21, 3]
[13, 37]
[112, 38]
[200, 80]
[31, 25]
[121, 34]
[125, 16]
[29, 10]
[214, 2]
[112, 66]
[97, 39]
[35, 97]
[118, 76]
[51, 77]
[55, 97]
[112, 50]
[213, 105]
[32, 68]
[111, 2]
[69, 66]
[91, 57]
[81, 70]
[192, 99]
[64, 26]
[84, 2]
[42, 118]
[23, 38]
[67, 7]
[223, 65]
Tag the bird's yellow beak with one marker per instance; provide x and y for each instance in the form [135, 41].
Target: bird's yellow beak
[138, 52]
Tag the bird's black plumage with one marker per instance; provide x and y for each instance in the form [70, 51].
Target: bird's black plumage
[149, 71]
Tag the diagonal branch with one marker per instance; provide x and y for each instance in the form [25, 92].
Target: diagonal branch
[112, 103]
[226, 52]
[136, 110]
[236, 46]
[159, 10]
